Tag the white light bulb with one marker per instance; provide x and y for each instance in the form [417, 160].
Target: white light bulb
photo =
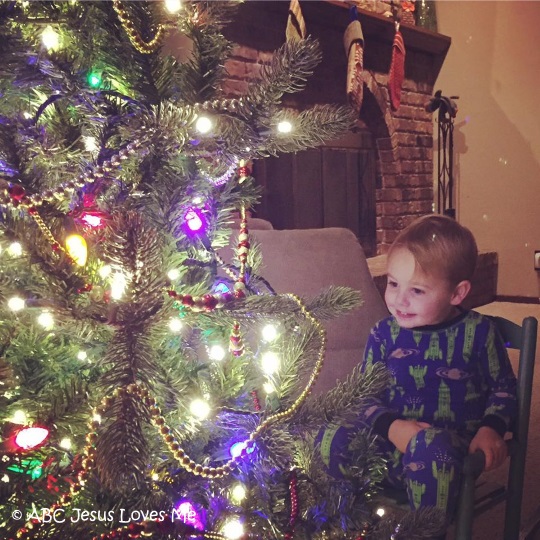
[16, 303]
[118, 285]
[269, 388]
[238, 493]
[155, 476]
[269, 332]
[216, 352]
[15, 249]
[175, 324]
[19, 417]
[5, 478]
[90, 143]
[197, 200]
[28, 115]
[270, 362]
[82, 356]
[50, 38]
[65, 443]
[97, 418]
[105, 271]
[284, 126]
[173, 274]
[203, 124]
[199, 408]
[233, 529]
[46, 320]
[380, 512]
[173, 6]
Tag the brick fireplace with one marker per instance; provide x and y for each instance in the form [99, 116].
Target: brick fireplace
[390, 157]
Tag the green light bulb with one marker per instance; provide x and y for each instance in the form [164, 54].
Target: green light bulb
[94, 79]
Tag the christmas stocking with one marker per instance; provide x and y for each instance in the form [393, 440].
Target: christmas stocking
[354, 48]
[397, 70]
[296, 26]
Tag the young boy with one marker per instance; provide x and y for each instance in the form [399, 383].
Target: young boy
[452, 387]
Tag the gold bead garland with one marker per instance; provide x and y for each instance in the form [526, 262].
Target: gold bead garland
[88, 177]
[144, 47]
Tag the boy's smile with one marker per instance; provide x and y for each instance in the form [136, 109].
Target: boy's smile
[415, 298]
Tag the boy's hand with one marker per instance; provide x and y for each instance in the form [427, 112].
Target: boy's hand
[493, 446]
[402, 431]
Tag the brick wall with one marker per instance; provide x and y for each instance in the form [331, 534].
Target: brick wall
[403, 138]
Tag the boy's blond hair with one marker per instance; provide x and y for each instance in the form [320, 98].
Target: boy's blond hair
[440, 246]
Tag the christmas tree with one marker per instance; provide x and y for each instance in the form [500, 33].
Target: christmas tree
[148, 387]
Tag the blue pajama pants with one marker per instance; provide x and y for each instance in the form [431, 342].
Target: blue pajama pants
[430, 469]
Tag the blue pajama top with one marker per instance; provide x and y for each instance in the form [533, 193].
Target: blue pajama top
[455, 375]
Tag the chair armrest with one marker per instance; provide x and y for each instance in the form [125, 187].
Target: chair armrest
[473, 464]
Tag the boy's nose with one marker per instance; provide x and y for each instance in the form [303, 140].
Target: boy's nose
[402, 299]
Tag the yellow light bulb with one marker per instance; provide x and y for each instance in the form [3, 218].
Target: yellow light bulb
[50, 38]
[173, 6]
[77, 248]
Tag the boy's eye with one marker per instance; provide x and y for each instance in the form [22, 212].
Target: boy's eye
[417, 291]
[392, 283]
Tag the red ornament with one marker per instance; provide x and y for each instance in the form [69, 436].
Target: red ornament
[17, 193]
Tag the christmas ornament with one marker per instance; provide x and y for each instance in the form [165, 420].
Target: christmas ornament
[354, 49]
[397, 69]
[296, 26]
[31, 437]
[236, 346]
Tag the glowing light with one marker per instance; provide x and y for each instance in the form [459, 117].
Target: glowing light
[118, 285]
[173, 274]
[90, 143]
[221, 287]
[77, 248]
[65, 443]
[46, 320]
[380, 512]
[269, 388]
[284, 126]
[82, 356]
[238, 493]
[233, 529]
[50, 38]
[270, 362]
[28, 115]
[30, 437]
[269, 333]
[175, 324]
[16, 303]
[194, 220]
[94, 79]
[5, 478]
[105, 271]
[216, 352]
[186, 512]
[173, 6]
[96, 220]
[200, 408]
[15, 249]
[197, 200]
[155, 477]
[203, 124]
[19, 417]
[237, 448]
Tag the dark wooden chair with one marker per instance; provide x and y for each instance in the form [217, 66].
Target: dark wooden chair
[476, 497]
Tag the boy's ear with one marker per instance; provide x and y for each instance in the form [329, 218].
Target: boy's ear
[460, 292]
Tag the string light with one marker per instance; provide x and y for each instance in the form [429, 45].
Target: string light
[175, 324]
[203, 124]
[269, 333]
[90, 143]
[82, 356]
[155, 477]
[15, 249]
[94, 79]
[173, 6]
[284, 126]
[46, 320]
[269, 388]
[199, 408]
[173, 274]
[270, 362]
[238, 493]
[118, 285]
[380, 512]
[233, 529]
[16, 303]
[50, 38]
[216, 352]
[19, 417]
[65, 443]
[77, 248]
[105, 271]
[31, 437]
